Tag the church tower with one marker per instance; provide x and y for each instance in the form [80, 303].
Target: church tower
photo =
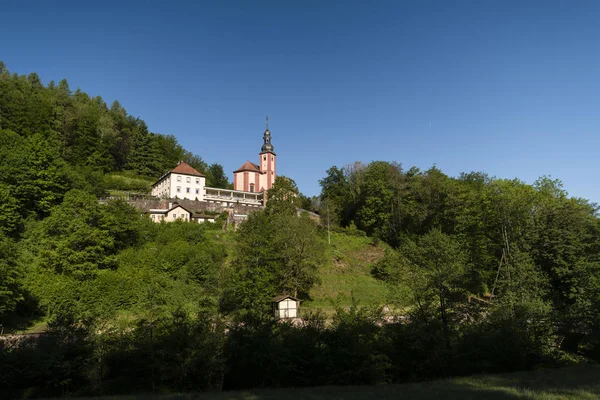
[259, 177]
[267, 161]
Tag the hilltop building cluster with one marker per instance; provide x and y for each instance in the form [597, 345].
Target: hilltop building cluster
[250, 182]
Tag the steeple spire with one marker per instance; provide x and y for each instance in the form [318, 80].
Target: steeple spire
[267, 146]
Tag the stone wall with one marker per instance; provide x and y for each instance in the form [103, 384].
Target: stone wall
[194, 206]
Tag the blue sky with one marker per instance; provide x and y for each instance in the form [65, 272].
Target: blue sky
[510, 88]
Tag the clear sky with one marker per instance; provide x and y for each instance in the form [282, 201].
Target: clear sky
[510, 88]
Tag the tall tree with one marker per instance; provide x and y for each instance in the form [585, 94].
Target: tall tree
[10, 274]
[283, 198]
[216, 177]
[276, 253]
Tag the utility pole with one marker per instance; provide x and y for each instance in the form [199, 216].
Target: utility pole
[328, 223]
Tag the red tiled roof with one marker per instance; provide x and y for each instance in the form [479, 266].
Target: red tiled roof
[186, 169]
[248, 166]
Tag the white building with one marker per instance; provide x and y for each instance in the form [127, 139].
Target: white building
[286, 306]
[250, 181]
[174, 213]
[182, 182]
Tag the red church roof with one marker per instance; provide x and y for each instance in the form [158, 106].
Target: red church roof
[185, 169]
[248, 166]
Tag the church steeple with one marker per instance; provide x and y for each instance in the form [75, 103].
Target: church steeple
[267, 146]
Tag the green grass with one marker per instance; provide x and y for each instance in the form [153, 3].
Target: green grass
[24, 324]
[128, 181]
[347, 274]
[571, 383]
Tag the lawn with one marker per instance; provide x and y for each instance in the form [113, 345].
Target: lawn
[577, 382]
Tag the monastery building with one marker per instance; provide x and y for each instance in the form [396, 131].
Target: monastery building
[250, 181]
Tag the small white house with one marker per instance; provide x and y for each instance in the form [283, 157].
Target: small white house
[286, 306]
[174, 213]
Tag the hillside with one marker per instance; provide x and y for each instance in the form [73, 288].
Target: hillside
[345, 276]
[132, 306]
[347, 273]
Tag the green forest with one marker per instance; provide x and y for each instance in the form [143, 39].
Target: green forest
[409, 275]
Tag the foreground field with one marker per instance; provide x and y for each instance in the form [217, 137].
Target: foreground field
[578, 382]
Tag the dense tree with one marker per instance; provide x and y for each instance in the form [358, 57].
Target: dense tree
[10, 218]
[216, 177]
[83, 130]
[10, 276]
[283, 198]
[135, 306]
[277, 253]
[433, 269]
[77, 244]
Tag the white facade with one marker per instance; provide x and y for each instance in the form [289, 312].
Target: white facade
[173, 214]
[228, 197]
[175, 185]
[286, 307]
[203, 218]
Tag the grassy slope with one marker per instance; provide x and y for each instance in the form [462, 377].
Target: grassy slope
[119, 183]
[347, 275]
[578, 382]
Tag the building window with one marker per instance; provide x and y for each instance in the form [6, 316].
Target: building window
[264, 158]
[152, 216]
[197, 181]
[174, 215]
[178, 189]
[187, 179]
[187, 190]
[252, 187]
[178, 178]
[197, 191]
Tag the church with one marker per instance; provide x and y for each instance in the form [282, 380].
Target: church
[250, 181]
[259, 177]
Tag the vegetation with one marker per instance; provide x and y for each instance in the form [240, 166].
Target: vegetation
[574, 383]
[477, 274]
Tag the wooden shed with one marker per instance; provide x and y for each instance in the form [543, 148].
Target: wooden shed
[285, 306]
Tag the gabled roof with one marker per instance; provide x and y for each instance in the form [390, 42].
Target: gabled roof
[175, 205]
[248, 166]
[156, 211]
[185, 169]
[166, 211]
[282, 297]
[181, 168]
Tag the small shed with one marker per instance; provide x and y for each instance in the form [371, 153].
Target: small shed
[285, 306]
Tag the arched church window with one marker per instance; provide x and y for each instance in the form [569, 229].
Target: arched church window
[252, 187]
